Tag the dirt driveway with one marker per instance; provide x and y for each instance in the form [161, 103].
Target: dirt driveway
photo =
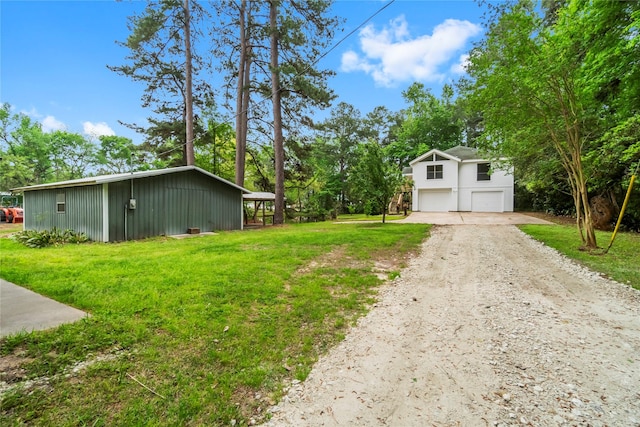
[485, 327]
[471, 218]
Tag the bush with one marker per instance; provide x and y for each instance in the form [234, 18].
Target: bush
[41, 239]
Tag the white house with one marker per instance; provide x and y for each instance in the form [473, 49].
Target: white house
[457, 179]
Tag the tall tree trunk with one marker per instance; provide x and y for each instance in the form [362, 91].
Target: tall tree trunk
[242, 94]
[188, 83]
[278, 143]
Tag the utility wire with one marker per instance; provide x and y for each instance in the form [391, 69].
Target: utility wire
[331, 49]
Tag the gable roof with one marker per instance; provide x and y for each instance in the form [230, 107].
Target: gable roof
[103, 179]
[458, 153]
[463, 153]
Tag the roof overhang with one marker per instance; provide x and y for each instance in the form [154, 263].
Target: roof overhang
[431, 152]
[259, 196]
[105, 179]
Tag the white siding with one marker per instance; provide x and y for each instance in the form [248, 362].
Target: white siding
[449, 175]
[448, 182]
[501, 181]
[459, 183]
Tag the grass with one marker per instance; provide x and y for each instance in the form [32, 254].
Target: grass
[363, 217]
[621, 263]
[212, 326]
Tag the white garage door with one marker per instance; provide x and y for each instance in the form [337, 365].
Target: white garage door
[487, 201]
[434, 200]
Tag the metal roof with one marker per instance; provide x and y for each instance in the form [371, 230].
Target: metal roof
[103, 179]
[258, 196]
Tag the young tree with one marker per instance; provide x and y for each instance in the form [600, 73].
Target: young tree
[374, 178]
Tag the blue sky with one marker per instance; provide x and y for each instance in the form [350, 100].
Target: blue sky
[53, 58]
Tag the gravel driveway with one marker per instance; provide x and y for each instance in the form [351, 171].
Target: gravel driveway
[485, 327]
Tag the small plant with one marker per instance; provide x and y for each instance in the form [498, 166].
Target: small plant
[41, 239]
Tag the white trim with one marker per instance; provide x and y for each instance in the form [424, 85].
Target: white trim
[431, 152]
[105, 212]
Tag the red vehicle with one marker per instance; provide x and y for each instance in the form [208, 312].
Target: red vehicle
[12, 213]
[15, 215]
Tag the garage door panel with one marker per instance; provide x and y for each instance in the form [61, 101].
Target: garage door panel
[487, 201]
[434, 200]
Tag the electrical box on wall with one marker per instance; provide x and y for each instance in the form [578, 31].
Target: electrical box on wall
[132, 204]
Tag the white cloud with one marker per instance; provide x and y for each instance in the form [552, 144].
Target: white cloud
[461, 66]
[33, 113]
[391, 55]
[50, 124]
[97, 129]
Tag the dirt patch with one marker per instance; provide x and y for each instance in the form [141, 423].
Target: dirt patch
[12, 368]
[484, 327]
[384, 263]
[13, 374]
[556, 219]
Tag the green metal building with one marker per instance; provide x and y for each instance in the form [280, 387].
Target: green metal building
[136, 205]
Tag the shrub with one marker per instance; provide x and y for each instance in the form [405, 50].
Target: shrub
[41, 239]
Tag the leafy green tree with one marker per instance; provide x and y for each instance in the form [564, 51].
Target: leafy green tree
[382, 125]
[428, 123]
[299, 171]
[215, 149]
[32, 157]
[374, 178]
[24, 146]
[72, 155]
[527, 82]
[339, 136]
[116, 154]
[15, 171]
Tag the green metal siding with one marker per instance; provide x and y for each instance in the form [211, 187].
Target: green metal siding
[170, 204]
[83, 210]
[166, 205]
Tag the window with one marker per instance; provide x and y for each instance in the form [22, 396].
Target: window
[60, 202]
[483, 171]
[434, 171]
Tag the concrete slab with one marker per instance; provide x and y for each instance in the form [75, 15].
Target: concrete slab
[22, 310]
[472, 218]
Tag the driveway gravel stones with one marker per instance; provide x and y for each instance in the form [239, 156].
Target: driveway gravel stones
[485, 327]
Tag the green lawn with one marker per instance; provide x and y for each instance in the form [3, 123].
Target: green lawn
[212, 326]
[363, 217]
[621, 263]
